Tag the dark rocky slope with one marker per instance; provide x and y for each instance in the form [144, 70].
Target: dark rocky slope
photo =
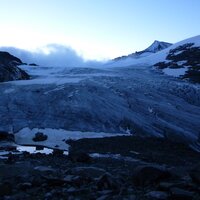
[187, 56]
[8, 68]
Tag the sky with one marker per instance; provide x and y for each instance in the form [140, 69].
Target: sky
[96, 29]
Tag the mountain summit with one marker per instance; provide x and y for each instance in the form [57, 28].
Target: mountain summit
[157, 46]
[153, 48]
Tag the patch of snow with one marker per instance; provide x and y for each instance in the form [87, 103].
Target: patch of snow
[178, 52]
[3, 157]
[114, 156]
[33, 149]
[10, 90]
[182, 62]
[57, 137]
[150, 109]
[175, 72]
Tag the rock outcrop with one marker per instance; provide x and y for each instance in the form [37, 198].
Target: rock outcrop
[9, 69]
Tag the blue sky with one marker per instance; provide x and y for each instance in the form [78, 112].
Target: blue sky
[97, 29]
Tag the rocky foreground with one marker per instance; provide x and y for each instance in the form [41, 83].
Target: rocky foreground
[135, 168]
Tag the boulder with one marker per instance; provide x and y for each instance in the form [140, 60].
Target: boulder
[5, 189]
[58, 152]
[5, 136]
[181, 194]
[195, 175]
[107, 182]
[79, 156]
[157, 195]
[92, 172]
[149, 174]
[40, 137]
[44, 170]
[54, 181]
[24, 186]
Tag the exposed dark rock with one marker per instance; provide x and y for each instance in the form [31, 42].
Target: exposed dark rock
[40, 137]
[157, 195]
[189, 55]
[5, 136]
[5, 188]
[147, 175]
[37, 181]
[24, 186]
[44, 170]
[92, 172]
[79, 156]
[180, 194]
[6, 58]
[53, 181]
[104, 197]
[69, 178]
[33, 64]
[58, 152]
[166, 186]
[9, 70]
[195, 174]
[11, 159]
[162, 65]
[107, 182]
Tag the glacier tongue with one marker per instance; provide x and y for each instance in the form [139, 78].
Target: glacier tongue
[104, 100]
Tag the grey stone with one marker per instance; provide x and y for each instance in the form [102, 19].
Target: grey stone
[40, 137]
[107, 182]
[181, 194]
[79, 156]
[5, 189]
[149, 174]
[24, 186]
[157, 195]
[92, 172]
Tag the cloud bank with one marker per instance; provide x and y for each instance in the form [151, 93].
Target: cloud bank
[54, 55]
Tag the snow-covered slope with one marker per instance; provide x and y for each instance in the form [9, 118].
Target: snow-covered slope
[180, 59]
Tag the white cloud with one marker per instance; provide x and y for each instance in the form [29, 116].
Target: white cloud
[51, 55]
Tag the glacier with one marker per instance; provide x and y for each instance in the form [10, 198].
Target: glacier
[110, 100]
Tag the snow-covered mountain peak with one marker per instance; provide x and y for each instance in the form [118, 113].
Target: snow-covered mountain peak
[157, 46]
